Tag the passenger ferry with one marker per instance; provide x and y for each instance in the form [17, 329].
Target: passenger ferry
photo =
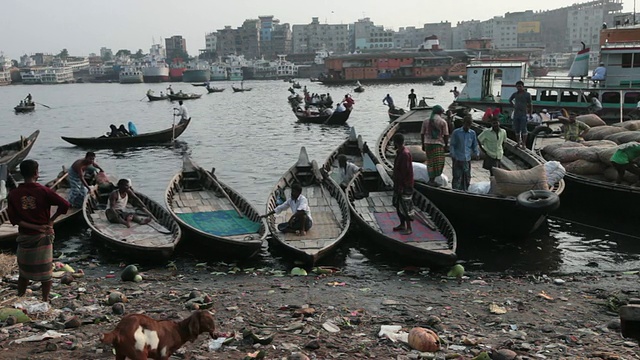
[218, 72]
[619, 93]
[130, 75]
[47, 75]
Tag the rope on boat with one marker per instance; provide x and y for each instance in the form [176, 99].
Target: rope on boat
[595, 227]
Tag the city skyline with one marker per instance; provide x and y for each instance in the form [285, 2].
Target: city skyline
[80, 29]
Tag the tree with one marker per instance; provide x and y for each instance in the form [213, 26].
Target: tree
[64, 54]
[138, 55]
[107, 56]
[123, 52]
[14, 63]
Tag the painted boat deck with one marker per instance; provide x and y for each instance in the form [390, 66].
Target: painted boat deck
[326, 215]
[381, 202]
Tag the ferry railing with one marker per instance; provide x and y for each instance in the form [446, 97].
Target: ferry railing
[622, 81]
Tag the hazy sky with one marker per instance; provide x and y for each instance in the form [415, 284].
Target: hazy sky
[83, 26]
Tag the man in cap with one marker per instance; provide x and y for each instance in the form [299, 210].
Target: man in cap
[573, 130]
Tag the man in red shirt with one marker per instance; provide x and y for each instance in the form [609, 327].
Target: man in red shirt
[29, 207]
[348, 101]
[403, 185]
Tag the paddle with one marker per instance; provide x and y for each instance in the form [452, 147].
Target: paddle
[145, 209]
[213, 179]
[143, 98]
[329, 118]
[48, 107]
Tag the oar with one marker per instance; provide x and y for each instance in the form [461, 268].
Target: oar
[48, 107]
[143, 98]
[223, 192]
[144, 207]
[329, 118]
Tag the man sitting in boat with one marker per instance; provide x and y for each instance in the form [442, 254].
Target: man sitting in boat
[346, 170]
[114, 131]
[348, 101]
[573, 129]
[624, 159]
[21, 103]
[149, 92]
[124, 130]
[116, 208]
[599, 74]
[340, 108]
[301, 221]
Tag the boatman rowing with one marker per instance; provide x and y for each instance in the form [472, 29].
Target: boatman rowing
[182, 112]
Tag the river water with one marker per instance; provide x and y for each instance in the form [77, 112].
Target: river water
[252, 138]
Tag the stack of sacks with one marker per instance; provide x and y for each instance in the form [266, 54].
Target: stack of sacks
[416, 153]
[592, 120]
[632, 125]
[513, 183]
[600, 132]
[579, 158]
[624, 137]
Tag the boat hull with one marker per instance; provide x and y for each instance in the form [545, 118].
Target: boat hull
[21, 147]
[158, 137]
[333, 119]
[24, 109]
[194, 76]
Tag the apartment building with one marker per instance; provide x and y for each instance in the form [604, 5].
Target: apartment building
[313, 37]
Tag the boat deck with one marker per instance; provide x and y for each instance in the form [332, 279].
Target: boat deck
[140, 235]
[326, 215]
[381, 202]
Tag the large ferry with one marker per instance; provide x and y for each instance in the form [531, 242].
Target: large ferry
[155, 71]
[47, 75]
[218, 72]
[130, 75]
[619, 93]
[197, 71]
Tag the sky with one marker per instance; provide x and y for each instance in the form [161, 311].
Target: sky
[84, 26]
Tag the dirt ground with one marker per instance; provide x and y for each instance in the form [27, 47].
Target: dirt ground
[338, 315]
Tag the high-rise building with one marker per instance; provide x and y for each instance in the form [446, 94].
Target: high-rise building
[175, 45]
[226, 41]
[248, 39]
[106, 53]
[315, 36]
[366, 35]
[210, 42]
[465, 30]
[275, 38]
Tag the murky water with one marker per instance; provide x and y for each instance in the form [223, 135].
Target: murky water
[251, 139]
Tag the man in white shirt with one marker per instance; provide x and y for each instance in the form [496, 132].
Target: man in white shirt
[301, 221]
[182, 112]
[346, 170]
[340, 108]
[596, 105]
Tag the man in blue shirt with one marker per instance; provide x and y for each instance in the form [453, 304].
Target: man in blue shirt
[463, 145]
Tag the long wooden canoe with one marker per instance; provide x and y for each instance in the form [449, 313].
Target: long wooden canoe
[157, 137]
[154, 242]
[60, 185]
[177, 96]
[24, 108]
[336, 118]
[157, 98]
[219, 218]
[328, 206]
[13, 153]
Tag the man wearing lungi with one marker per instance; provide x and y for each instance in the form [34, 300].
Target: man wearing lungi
[403, 185]
[435, 137]
[30, 208]
[78, 185]
[463, 146]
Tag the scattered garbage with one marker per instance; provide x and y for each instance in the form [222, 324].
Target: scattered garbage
[33, 306]
[49, 334]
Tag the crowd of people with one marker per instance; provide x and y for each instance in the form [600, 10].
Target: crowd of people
[313, 104]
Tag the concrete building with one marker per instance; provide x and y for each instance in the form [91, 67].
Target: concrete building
[408, 37]
[226, 41]
[275, 38]
[465, 30]
[315, 36]
[248, 39]
[368, 36]
[211, 42]
[106, 53]
[442, 30]
[176, 42]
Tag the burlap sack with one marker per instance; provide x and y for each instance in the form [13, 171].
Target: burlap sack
[600, 132]
[600, 143]
[569, 154]
[549, 149]
[513, 183]
[584, 167]
[629, 125]
[611, 174]
[605, 154]
[624, 137]
[592, 120]
[417, 154]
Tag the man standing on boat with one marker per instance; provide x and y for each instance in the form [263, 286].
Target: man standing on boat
[388, 101]
[29, 207]
[411, 103]
[463, 146]
[182, 112]
[435, 138]
[491, 141]
[522, 109]
[78, 185]
[403, 185]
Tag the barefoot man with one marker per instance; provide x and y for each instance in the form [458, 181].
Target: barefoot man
[403, 185]
[117, 208]
[78, 185]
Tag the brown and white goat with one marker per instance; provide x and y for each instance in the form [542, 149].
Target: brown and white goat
[139, 337]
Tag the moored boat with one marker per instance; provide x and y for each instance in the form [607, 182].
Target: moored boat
[13, 153]
[433, 240]
[157, 137]
[328, 207]
[155, 72]
[130, 75]
[183, 96]
[395, 113]
[336, 118]
[8, 232]
[152, 242]
[219, 218]
[358, 89]
[517, 215]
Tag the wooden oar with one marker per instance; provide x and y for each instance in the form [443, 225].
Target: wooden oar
[223, 192]
[48, 107]
[144, 207]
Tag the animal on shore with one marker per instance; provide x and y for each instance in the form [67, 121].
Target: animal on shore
[139, 337]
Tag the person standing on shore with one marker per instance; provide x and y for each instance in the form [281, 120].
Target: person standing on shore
[29, 207]
[78, 185]
[491, 141]
[411, 103]
[403, 185]
[463, 146]
[522, 109]
[435, 137]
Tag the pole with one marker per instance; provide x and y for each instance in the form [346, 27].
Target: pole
[634, 12]
[173, 136]
[621, 104]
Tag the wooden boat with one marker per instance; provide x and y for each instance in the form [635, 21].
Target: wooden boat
[439, 82]
[235, 89]
[157, 98]
[336, 118]
[296, 85]
[219, 217]
[200, 84]
[13, 153]
[24, 108]
[395, 113]
[370, 195]
[214, 90]
[153, 242]
[328, 206]
[179, 96]
[488, 213]
[359, 89]
[157, 137]
[9, 233]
